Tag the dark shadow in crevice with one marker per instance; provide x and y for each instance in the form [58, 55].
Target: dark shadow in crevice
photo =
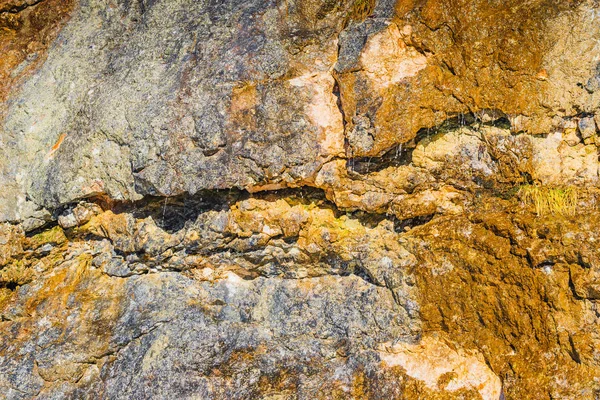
[12, 286]
[172, 213]
[402, 154]
[46, 227]
[397, 156]
[401, 226]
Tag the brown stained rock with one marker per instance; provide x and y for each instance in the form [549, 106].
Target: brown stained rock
[412, 272]
[53, 314]
[454, 57]
[23, 259]
[504, 300]
[406, 192]
[519, 310]
[261, 96]
[53, 236]
[27, 29]
[395, 383]
[119, 228]
[442, 171]
[174, 328]
[11, 242]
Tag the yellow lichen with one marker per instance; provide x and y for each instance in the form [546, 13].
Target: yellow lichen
[53, 236]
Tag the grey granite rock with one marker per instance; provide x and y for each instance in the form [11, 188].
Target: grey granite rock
[176, 337]
[169, 97]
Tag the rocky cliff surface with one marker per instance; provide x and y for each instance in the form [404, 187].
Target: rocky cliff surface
[281, 199]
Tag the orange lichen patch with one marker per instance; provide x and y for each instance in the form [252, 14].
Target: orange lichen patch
[11, 242]
[542, 75]
[26, 32]
[506, 301]
[394, 383]
[60, 284]
[21, 265]
[73, 287]
[450, 57]
[18, 272]
[17, 261]
[110, 225]
[5, 297]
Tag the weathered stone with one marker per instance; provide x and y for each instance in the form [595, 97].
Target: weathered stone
[67, 221]
[11, 238]
[587, 127]
[317, 199]
[453, 59]
[252, 313]
[319, 282]
[441, 367]
[209, 101]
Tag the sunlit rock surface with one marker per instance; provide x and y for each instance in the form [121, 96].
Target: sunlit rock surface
[350, 199]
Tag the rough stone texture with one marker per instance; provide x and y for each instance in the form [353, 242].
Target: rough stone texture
[531, 61]
[172, 97]
[299, 321]
[283, 296]
[27, 28]
[299, 199]
[176, 96]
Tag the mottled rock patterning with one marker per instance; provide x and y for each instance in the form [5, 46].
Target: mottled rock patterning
[299, 199]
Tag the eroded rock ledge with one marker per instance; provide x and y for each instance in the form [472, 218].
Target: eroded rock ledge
[287, 294]
[430, 276]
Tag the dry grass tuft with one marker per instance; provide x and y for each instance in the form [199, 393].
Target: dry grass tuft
[550, 200]
[361, 9]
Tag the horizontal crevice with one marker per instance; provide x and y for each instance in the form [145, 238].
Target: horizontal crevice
[397, 156]
[172, 212]
[12, 286]
[17, 8]
[401, 154]
[46, 227]
[407, 224]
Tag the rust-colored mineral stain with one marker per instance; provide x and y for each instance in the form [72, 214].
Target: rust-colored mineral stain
[542, 75]
[479, 55]
[56, 146]
[26, 32]
[499, 302]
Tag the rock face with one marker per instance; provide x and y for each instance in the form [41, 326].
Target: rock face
[320, 199]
